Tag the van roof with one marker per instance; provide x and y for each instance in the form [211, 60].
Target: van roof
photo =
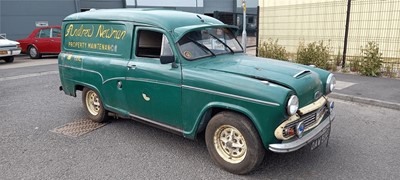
[163, 18]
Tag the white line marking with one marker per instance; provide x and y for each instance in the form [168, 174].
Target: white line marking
[343, 84]
[28, 63]
[28, 75]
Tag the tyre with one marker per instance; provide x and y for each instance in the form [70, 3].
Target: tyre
[233, 143]
[34, 53]
[9, 59]
[93, 105]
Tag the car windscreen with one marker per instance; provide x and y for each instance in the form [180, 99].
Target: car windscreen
[208, 42]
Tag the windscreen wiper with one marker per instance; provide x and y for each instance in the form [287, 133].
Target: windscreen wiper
[201, 45]
[222, 42]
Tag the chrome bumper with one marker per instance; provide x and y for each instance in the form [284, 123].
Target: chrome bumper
[10, 52]
[306, 139]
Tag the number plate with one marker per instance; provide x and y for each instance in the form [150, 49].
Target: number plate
[324, 136]
[3, 52]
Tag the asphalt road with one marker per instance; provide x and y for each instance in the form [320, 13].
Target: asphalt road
[364, 142]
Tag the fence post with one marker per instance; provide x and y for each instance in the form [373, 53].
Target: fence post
[346, 33]
[258, 29]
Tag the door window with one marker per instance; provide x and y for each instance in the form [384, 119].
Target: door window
[152, 44]
[55, 32]
[43, 33]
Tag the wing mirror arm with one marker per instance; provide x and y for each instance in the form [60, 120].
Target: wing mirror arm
[169, 59]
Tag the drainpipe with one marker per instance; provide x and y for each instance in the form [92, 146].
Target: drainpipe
[76, 6]
[0, 18]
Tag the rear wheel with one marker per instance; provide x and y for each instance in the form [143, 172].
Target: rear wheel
[233, 143]
[34, 53]
[9, 59]
[93, 105]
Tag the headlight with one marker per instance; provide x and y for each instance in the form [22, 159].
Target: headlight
[292, 105]
[330, 83]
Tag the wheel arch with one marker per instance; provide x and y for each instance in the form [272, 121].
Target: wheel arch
[31, 45]
[214, 108]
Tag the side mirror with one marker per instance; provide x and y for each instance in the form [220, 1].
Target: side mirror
[167, 59]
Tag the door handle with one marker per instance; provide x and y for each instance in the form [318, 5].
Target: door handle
[131, 66]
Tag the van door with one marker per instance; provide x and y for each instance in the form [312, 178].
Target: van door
[153, 90]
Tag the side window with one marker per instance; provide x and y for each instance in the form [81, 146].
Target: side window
[166, 48]
[55, 32]
[149, 44]
[43, 33]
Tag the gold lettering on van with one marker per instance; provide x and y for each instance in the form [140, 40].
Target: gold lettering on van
[108, 33]
[79, 32]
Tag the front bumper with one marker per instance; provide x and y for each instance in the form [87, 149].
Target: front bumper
[5, 52]
[306, 139]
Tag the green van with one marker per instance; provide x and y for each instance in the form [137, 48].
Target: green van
[188, 74]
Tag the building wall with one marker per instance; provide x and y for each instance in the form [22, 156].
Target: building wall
[221, 5]
[101, 4]
[18, 17]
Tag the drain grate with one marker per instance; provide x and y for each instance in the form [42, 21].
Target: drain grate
[78, 128]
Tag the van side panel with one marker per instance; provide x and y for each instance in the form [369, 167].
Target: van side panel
[95, 55]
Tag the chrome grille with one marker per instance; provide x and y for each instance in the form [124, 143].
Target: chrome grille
[309, 119]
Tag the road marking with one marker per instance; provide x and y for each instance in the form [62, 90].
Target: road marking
[343, 84]
[28, 75]
[28, 63]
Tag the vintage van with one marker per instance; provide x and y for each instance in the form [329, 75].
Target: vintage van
[188, 74]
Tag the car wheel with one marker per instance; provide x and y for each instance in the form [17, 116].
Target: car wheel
[233, 143]
[34, 53]
[93, 105]
[9, 59]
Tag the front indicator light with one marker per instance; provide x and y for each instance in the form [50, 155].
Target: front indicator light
[300, 127]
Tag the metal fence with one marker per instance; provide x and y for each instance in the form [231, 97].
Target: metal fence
[293, 22]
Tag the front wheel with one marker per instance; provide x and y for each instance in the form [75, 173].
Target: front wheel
[233, 143]
[9, 59]
[93, 105]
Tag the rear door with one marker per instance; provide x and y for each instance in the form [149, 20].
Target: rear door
[153, 90]
[43, 40]
[55, 40]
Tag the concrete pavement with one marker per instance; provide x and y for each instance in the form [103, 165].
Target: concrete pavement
[377, 91]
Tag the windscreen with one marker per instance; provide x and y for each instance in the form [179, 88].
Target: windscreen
[208, 42]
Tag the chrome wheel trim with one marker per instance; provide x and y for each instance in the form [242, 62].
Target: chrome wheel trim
[230, 144]
[33, 52]
[92, 103]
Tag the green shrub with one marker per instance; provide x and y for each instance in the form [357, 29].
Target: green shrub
[271, 49]
[315, 53]
[339, 58]
[355, 64]
[390, 70]
[371, 61]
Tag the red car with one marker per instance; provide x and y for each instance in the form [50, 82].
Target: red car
[42, 41]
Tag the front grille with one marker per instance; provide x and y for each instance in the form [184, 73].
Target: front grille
[9, 46]
[311, 120]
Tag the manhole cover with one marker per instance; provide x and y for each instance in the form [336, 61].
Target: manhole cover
[78, 128]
